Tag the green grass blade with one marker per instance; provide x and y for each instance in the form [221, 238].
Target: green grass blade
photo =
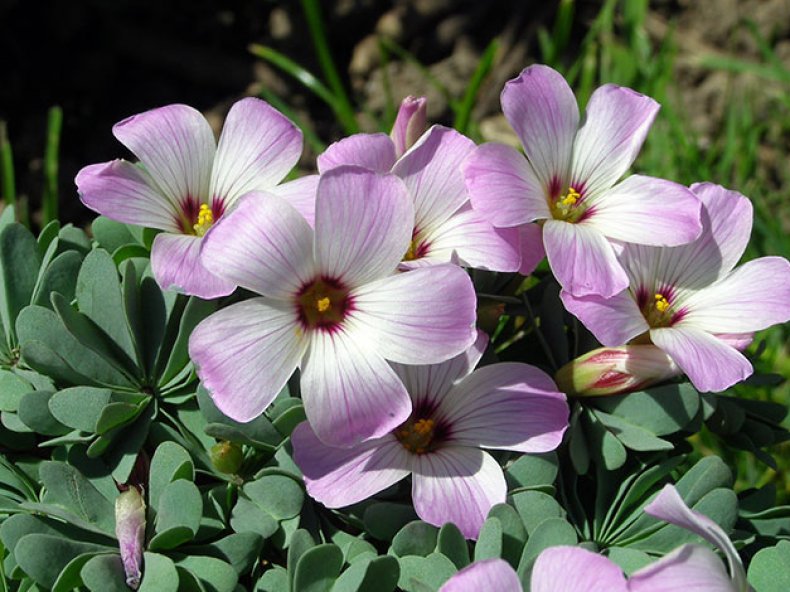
[315, 23]
[293, 69]
[7, 167]
[310, 136]
[714, 62]
[51, 151]
[464, 111]
[390, 111]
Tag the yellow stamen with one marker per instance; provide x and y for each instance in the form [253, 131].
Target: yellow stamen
[323, 304]
[572, 197]
[662, 304]
[568, 207]
[204, 221]
[417, 437]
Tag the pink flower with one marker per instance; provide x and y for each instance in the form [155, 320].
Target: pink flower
[185, 183]
[130, 531]
[456, 413]
[691, 300]
[569, 179]
[332, 304]
[410, 124]
[446, 228]
[615, 370]
[573, 569]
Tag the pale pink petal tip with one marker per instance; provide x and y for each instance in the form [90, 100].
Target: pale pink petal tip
[489, 575]
[410, 123]
[573, 569]
[176, 263]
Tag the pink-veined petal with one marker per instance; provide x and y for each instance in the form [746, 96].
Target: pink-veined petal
[475, 242]
[124, 192]
[489, 575]
[375, 152]
[431, 171]
[647, 211]
[726, 218]
[176, 146]
[424, 316]
[542, 110]
[263, 245]
[582, 260]
[530, 238]
[350, 393]
[573, 569]
[753, 296]
[687, 568]
[614, 321]
[245, 354]
[363, 224]
[614, 128]
[503, 187]
[427, 384]
[459, 485]
[339, 477]
[176, 263]
[257, 148]
[508, 406]
[300, 193]
[711, 364]
[670, 507]
[409, 124]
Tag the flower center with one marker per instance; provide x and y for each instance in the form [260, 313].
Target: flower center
[417, 436]
[658, 311]
[418, 248]
[568, 207]
[205, 219]
[323, 304]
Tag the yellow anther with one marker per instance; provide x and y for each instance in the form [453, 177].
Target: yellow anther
[662, 304]
[571, 198]
[204, 221]
[417, 436]
[323, 304]
[423, 426]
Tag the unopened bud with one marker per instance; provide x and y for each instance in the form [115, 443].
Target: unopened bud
[226, 457]
[615, 370]
[130, 530]
[409, 124]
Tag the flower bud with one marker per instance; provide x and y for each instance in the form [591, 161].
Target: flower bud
[130, 530]
[226, 457]
[615, 370]
[409, 124]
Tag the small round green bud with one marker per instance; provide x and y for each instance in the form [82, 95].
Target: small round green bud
[226, 457]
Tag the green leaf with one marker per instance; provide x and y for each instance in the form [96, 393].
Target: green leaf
[287, 421]
[420, 573]
[215, 574]
[489, 541]
[535, 506]
[279, 496]
[34, 413]
[662, 410]
[377, 574]
[259, 433]
[177, 356]
[318, 568]
[416, 538]
[79, 407]
[12, 388]
[104, 573]
[99, 297]
[159, 574]
[247, 517]
[169, 463]
[452, 544]
[631, 435]
[20, 260]
[111, 234]
[67, 487]
[549, 533]
[274, 579]
[532, 470]
[178, 515]
[59, 276]
[44, 556]
[240, 550]
[604, 442]
[514, 534]
[384, 519]
[70, 578]
[115, 415]
[769, 570]
[301, 542]
[628, 559]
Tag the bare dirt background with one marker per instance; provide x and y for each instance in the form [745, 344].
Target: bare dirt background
[102, 61]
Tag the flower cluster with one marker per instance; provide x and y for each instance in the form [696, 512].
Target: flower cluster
[360, 292]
